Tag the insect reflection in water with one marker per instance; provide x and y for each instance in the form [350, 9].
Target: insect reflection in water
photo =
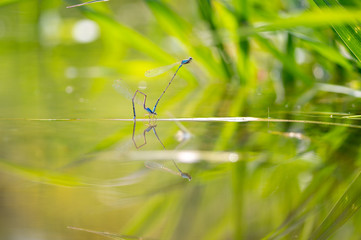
[156, 165]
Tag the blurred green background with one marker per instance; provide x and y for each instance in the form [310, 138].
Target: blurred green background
[67, 160]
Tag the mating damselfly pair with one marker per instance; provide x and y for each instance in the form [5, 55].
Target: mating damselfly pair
[152, 73]
[121, 88]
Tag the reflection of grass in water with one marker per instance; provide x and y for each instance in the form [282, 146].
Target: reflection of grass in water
[354, 117]
[311, 198]
[109, 235]
[85, 3]
[61, 179]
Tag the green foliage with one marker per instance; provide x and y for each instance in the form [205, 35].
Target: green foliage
[349, 33]
[346, 206]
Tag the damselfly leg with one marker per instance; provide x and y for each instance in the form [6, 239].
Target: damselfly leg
[155, 72]
[150, 112]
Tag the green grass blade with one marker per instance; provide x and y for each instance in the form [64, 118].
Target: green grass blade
[206, 10]
[170, 20]
[357, 117]
[349, 33]
[327, 51]
[42, 176]
[133, 39]
[60, 179]
[178, 27]
[128, 36]
[148, 217]
[6, 2]
[309, 203]
[107, 234]
[242, 11]
[289, 64]
[313, 19]
[346, 206]
[339, 89]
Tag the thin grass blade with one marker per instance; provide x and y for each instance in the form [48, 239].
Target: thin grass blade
[42, 176]
[6, 2]
[175, 25]
[339, 89]
[128, 36]
[313, 18]
[344, 209]
[107, 234]
[349, 33]
[309, 204]
[288, 64]
[327, 51]
[82, 4]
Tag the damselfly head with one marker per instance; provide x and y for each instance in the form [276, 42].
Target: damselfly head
[186, 175]
[186, 61]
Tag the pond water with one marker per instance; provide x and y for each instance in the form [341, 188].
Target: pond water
[88, 174]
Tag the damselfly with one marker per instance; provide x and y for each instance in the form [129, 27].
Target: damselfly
[151, 126]
[155, 72]
[155, 165]
[121, 87]
[81, 4]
